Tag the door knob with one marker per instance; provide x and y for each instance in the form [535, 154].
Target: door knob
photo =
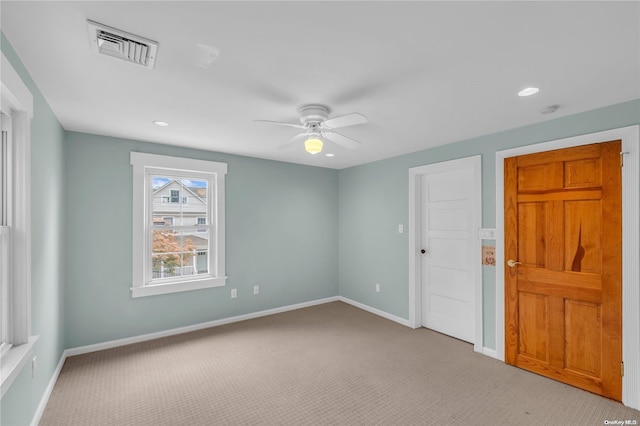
[424, 251]
[512, 263]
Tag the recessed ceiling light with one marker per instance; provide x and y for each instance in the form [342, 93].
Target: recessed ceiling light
[528, 91]
[328, 154]
[161, 123]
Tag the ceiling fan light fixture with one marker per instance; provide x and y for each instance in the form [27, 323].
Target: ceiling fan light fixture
[313, 145]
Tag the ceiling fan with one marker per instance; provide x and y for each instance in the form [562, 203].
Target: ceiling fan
[317, 126]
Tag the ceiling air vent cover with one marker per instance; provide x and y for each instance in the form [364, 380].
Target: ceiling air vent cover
[122, 45]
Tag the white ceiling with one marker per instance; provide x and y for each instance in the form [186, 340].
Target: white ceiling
[424, 73]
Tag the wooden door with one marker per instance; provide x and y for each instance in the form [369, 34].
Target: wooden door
[563, 301]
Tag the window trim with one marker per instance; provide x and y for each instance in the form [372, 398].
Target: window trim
[17, 102]
[143, 165]
[6, 249]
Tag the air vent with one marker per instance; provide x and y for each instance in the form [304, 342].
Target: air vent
[122, 45]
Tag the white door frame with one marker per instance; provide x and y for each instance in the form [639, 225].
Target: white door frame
[415, 265]
[630, 246]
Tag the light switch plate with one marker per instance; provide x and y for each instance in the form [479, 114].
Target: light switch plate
[487, 233]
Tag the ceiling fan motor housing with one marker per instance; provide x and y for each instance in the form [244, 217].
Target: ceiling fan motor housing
[313, 114]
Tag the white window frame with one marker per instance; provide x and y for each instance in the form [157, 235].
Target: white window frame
[144, 167]
[5, 231]
[16, 101]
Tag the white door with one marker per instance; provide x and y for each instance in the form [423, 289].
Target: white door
[450, 217]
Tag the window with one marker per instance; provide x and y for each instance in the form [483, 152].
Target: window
[16, 109]
[5, 234]
[177, 246]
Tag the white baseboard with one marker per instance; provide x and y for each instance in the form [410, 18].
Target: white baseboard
[48, 390]
[490, 352]
[144, 337]
[485, 351]
[375, 311]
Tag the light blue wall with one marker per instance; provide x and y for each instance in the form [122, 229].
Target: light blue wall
[374, 200]
[47, 270]
[281, 234]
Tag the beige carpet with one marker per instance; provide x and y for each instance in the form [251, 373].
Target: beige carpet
[330, 364]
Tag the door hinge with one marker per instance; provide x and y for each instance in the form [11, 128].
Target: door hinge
[622, 369]
[622, 158]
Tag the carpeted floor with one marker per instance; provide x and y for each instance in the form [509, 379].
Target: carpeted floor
[330, 364]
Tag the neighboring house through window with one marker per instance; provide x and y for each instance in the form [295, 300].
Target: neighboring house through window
[178, 245]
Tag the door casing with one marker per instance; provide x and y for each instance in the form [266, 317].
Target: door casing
[415, 232]
[630, 137]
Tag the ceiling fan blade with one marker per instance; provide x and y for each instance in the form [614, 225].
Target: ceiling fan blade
[342, 140]
[280, 123]
[294, 140]
[346, 120]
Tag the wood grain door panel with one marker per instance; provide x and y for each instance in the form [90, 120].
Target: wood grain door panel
[563, 301]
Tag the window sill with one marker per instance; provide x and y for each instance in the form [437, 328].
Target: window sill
[152, 290]
[13, 362]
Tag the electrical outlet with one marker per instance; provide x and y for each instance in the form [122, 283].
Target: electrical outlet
[234, 293]
[256, 289]
[377, 288]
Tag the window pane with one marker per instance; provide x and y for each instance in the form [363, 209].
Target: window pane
[179, 253]
[179, 201]
[202, 262]
[4, 284]
[4, 174]
[199, 241]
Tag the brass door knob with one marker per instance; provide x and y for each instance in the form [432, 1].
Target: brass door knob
[512, 263]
